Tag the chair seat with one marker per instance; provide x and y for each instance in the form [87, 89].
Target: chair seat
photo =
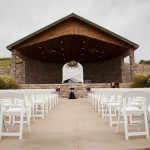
[133, 110]
[114, 104]
[135, 104]
[14, 111]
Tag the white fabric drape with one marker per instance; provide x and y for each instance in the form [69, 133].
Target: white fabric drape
[73, 73]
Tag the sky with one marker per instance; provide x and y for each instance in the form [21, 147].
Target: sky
[128, 18]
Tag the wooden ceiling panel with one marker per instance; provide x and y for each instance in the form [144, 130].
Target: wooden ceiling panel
[72, 47]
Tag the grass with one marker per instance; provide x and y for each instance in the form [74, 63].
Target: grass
[7, 61]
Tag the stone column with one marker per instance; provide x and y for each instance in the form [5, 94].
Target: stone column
[122, 69]
[132, 64]
[13, 64]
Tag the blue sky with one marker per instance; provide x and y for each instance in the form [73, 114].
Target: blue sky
[128, 18]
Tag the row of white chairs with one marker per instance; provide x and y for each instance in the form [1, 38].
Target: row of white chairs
[22, 106]
[130, 107]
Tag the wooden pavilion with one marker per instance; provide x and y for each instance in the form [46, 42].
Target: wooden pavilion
[100, 51]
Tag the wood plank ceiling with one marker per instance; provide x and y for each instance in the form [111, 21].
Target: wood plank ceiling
[80, 48]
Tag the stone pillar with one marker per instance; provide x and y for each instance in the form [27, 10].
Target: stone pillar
[13, 64]
[24, 77]
[122, 69]
[132, 63]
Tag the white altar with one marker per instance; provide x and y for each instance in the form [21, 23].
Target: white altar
[73, 74]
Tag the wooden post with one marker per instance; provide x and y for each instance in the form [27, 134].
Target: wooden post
[132, 63]
[13, 64]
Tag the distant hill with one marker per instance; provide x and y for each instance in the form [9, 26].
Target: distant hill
[7, 61]
[145, 62]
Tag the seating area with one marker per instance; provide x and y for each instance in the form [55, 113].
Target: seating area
[74, 124]
[127, 107]
[20, 108]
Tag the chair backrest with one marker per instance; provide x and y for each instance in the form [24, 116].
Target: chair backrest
[133, 94]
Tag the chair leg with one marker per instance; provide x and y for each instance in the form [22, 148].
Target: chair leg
[110, 116]
[99, 108]
[50, 105]
[21, 126]
[146, 125]
[42, 110]
[125, 125]
[1, 124]
[28, 122]
[33, 115]
[106, 111]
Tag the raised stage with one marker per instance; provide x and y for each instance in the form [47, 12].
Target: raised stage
[80, 89]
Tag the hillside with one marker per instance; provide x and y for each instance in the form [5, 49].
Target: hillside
[7, 61]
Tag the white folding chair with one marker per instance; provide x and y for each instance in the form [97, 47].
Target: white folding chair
[127, 110]
[12, 111]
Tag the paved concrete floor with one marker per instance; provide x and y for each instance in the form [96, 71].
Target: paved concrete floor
[73, 125]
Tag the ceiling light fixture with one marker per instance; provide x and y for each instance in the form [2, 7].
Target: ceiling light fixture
[93, 50]
[52, 51]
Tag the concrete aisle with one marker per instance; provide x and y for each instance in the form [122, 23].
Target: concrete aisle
[72, 125]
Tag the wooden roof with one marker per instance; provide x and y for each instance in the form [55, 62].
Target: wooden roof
[72, 38]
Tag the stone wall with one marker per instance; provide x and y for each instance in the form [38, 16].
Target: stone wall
[20, 76]
[80, 89]
[37, 72]
[142, 68]
[138, 68]
[47, 73]
[103, 72]
[6, 70]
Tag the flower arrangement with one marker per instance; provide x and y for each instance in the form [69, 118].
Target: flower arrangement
[72, 64]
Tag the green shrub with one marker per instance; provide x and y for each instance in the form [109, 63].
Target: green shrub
[2, 84]
[8, 82]
[141, 81]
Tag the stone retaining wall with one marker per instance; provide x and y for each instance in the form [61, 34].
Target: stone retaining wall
[80, 89]
[5, 70]
[19, 72]
[139, 68]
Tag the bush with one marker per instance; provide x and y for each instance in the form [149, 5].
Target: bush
[2, 84]
[141, 81]
[7, 82]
